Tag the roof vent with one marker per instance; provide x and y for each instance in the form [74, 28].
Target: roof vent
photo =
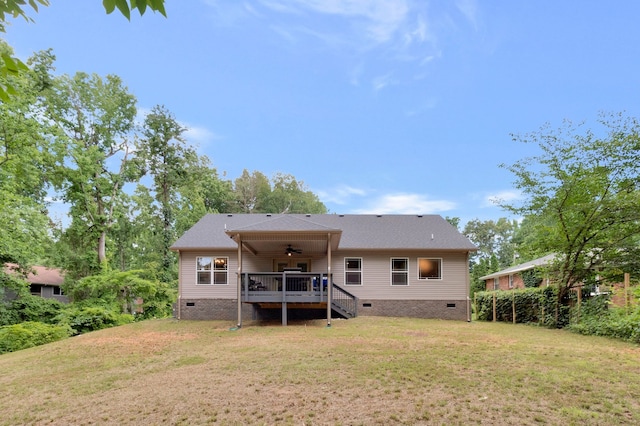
[269, 215]
[419, 215]
[379, 215]
[229, 215]
[308, 215]
[341, 215]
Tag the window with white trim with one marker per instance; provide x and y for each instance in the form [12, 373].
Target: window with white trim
[429, 268]
[511, 281]
[353, 271]
[496, 283]
[399, 271]
[57, 291]
[210, 270]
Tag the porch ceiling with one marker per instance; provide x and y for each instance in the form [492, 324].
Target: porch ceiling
[270, 243]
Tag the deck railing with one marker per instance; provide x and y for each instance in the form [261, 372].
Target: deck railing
[302, 287]
[298, 287]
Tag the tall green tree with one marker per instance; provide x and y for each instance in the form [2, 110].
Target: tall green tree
[165, 156]
[25, 164]
[493, 238]
[92, 141]
[251, 191]
[582, 193]
[288, 195]
[202, 192]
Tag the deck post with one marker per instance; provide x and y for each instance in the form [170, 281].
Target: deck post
[284, 298]
[329, 280]
[239, 241]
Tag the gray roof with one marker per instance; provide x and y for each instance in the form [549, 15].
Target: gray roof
[541, 261]
[358, 231]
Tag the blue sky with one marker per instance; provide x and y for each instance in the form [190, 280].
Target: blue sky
[379, 106]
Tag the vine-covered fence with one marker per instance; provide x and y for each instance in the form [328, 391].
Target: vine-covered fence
[540, 305]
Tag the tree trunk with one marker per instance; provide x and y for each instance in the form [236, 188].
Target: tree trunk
[102, 247]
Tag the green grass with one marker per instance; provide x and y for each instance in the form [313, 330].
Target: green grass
[363, 371]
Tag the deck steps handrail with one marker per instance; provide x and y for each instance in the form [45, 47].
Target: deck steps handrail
[344, 302]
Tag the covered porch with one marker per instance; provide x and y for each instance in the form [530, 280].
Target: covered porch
[301, 254]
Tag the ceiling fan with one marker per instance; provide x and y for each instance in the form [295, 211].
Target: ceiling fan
[290, 250]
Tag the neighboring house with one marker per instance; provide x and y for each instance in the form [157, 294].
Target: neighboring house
[273, 266]
[44, 282]
[511, 278]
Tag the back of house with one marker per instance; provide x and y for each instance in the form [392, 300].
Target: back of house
[262, 266]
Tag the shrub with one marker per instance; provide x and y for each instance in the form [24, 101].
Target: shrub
[28, 334]
[90, 318]
[597, 318]
[532, 305]
[35, 308]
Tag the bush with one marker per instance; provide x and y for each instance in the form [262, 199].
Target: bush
[29, 334]
[597, 318]
[36, 308]
[532, 305]
[90, 318]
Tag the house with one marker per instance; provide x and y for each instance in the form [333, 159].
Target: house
[512, 277]
[44, 282]
[276, 266]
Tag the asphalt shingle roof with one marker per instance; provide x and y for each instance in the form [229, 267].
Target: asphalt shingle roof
[358, 231]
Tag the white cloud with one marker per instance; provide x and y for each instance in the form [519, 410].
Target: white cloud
[200, 136]
[469, 8]
[381, 18]
[341, 194]
[403, 203]
[382, 81]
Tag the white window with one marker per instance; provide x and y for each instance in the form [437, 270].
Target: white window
[210, 270]
[429, 269]
[399, 271]
[496, 283]
[57, 291]
[353, 271]
[511, 281]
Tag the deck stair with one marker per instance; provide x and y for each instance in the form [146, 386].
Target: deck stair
[343, 302]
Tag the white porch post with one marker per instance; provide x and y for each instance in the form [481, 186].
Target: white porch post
[239, 241]
[329, 280]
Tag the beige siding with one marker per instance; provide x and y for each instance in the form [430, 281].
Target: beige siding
[191, 290]
[376, 275]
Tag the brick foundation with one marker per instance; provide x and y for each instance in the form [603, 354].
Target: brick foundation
[213, 309]
[438, 309]
[227, 309]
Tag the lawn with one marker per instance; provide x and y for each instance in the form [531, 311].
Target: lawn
[362, 371]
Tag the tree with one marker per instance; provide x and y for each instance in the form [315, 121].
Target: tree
[24, 167]
[251, 191]
[93, 119]
[453, 221]
[493, 238]
[291, 196]
[582, 197]
[165, 157]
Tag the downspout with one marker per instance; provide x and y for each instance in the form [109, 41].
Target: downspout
[468, 286]
[239, 241]
[178, 311]
[329, 280]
